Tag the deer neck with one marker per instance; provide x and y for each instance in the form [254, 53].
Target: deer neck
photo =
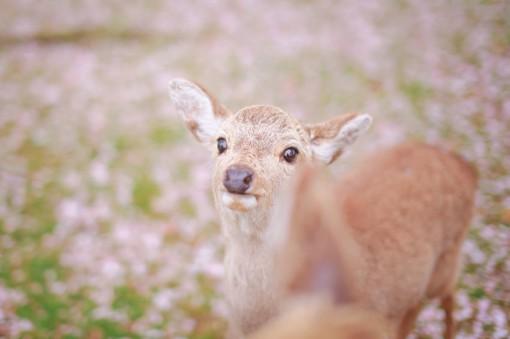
[243, 227]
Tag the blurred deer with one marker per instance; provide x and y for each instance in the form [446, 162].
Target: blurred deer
[317, 261]
[386, 237]
[256, 150]
[319, 318]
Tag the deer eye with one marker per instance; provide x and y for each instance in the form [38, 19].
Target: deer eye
[222, 145]
[290, 154]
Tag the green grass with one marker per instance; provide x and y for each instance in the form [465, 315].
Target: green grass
[145, 190]
[187, 208]
[164, 135]
[130, 302]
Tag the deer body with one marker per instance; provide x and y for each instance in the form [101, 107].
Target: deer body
[392, 230]
[409, 210]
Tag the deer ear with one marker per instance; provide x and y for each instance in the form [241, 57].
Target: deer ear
[199, 110]
[329, 139]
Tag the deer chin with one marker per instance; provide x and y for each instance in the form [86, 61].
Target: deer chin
[239, 202]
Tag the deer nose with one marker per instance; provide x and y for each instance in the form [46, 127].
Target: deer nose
[238, 179]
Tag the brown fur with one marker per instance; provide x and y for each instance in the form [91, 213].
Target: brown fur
[219, 110]
[328, 129]
[322, 320]
[394, 227]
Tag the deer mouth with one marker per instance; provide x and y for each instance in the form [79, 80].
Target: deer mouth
[239, 202]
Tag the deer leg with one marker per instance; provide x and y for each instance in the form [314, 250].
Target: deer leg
[448, 305]
[407, 323]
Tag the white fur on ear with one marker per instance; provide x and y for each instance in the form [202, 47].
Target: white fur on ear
[195, 107]
[326, 150]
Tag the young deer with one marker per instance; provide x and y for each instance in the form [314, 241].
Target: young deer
[386, 237]
[256, 150]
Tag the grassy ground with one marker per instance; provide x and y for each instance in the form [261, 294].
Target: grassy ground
[106, 222]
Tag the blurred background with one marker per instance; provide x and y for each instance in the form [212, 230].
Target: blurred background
[106, 221]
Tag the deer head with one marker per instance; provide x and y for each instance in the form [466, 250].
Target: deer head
[258, 148]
